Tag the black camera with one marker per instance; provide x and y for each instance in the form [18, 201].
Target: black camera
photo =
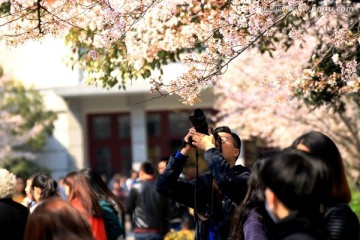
[198, 120]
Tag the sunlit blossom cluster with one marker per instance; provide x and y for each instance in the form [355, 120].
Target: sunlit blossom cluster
[348, 70]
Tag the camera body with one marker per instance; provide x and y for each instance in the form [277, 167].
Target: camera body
[198, 121]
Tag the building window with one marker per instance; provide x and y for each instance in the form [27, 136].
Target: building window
[153, 124]
[103, 160]
[178, 123]
[125, 153]
[123, 126]
[109, 143]
[101, 127]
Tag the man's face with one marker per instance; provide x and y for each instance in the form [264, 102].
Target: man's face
[230, 151]
[19, 185]
[161, 166]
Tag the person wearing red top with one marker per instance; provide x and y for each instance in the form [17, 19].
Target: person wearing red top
[82, 198]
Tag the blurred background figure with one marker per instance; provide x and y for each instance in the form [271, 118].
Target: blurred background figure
[84, 200]
[147, 207]
[19, 194]
[43, 187]
[132, 179]
[57, 219]
[162, 164]
[125, 191]
[119, 189]
[61, 188]
[13, 215]
[340, 220]
[113, 178]
[29, 200]
[114, 214]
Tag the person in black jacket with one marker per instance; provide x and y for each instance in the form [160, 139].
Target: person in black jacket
[13, 215]
[213, 194]
[147, 207]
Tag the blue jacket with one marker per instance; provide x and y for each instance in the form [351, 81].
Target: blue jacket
[216, 206]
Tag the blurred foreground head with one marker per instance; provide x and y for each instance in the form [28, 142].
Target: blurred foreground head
[297, 181]
[56, 219]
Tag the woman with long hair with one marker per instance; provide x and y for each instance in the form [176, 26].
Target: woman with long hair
[114, 213]
[83, 198]
[250, 220]
[340, 221]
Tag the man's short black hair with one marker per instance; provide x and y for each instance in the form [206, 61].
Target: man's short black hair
[148, 168]
[163, 159]
[227, 130]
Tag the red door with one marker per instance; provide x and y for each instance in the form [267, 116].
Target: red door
[109, 143]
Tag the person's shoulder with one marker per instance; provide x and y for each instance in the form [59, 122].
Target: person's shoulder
[6, 203]
[33, 207]
[205, 177]
[253, 217]
[107, 207]
[340, 210]
[104, 203]
[241, 169]
[341, 220]
[304, 236]
[342, 214]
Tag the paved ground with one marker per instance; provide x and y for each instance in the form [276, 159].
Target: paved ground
[129, 236]
[129, 233]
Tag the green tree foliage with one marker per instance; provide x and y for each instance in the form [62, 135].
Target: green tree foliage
[23, 168]
[112, 62]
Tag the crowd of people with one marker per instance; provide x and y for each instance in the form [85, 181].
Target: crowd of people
[300, 192]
